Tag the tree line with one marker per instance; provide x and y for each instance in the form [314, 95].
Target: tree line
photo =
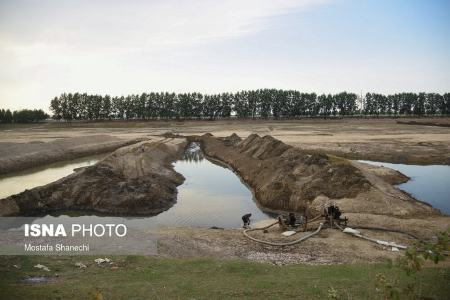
[22, 116]
[263, 103]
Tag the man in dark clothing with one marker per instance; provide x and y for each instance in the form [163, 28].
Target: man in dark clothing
[246, 220]
[292, 219]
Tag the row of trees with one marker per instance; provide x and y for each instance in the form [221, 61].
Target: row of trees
[22, 116]
[429, 104]
[263, 103]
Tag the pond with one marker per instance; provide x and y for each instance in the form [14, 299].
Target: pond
[429, 184]
[17, 182]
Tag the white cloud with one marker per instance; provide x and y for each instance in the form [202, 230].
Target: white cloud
[138, 24]
[47, 47]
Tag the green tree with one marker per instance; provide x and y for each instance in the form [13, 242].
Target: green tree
[2, 115]
[262, 103]
[8, 116]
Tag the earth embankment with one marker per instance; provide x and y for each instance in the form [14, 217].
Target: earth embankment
[134, 180]
[284, 177]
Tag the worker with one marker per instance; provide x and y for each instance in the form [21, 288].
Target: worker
[334, 211]
[246, 220]
[292, 219]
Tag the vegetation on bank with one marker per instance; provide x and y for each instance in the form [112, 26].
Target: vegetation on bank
[263, 103]
[22, 116]
[140, 277]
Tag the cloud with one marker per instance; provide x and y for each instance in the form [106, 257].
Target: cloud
[136, 24]
[47, 47]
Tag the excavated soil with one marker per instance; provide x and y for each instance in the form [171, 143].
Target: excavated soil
[136, 179]
[284, 177]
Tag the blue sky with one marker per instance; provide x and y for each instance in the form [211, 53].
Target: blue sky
[120, 47]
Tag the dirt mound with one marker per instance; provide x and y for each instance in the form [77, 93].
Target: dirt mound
[137, 179]
[231, 140]
[284, 177]
[287, 178]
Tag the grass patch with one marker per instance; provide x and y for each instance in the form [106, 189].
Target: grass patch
[139, 277]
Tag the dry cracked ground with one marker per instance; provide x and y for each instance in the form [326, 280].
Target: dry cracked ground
[295, 167]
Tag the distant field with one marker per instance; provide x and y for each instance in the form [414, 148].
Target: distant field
[411, 141]
[138, 277]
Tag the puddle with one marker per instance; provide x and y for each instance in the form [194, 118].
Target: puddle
[429, 184]
[17, 182]
[38, 280]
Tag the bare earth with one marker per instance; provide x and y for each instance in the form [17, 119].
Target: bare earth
[330, 246]
[371, 139]
[382, 140]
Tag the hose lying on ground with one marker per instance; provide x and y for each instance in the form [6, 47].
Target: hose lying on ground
[446, 253]
[379, 242]
[387, 230]
[280, 244]
[245, 232]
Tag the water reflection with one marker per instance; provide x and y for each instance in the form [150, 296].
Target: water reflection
[193, 153]
[212, 195]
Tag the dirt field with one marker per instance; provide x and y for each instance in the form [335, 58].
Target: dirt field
[372, 139]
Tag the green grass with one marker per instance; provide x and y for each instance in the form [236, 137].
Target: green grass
[141, 277]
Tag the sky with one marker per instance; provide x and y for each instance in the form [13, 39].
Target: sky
[121, 47]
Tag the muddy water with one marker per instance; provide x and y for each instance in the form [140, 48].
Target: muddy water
[430, 184]
[17, 182]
